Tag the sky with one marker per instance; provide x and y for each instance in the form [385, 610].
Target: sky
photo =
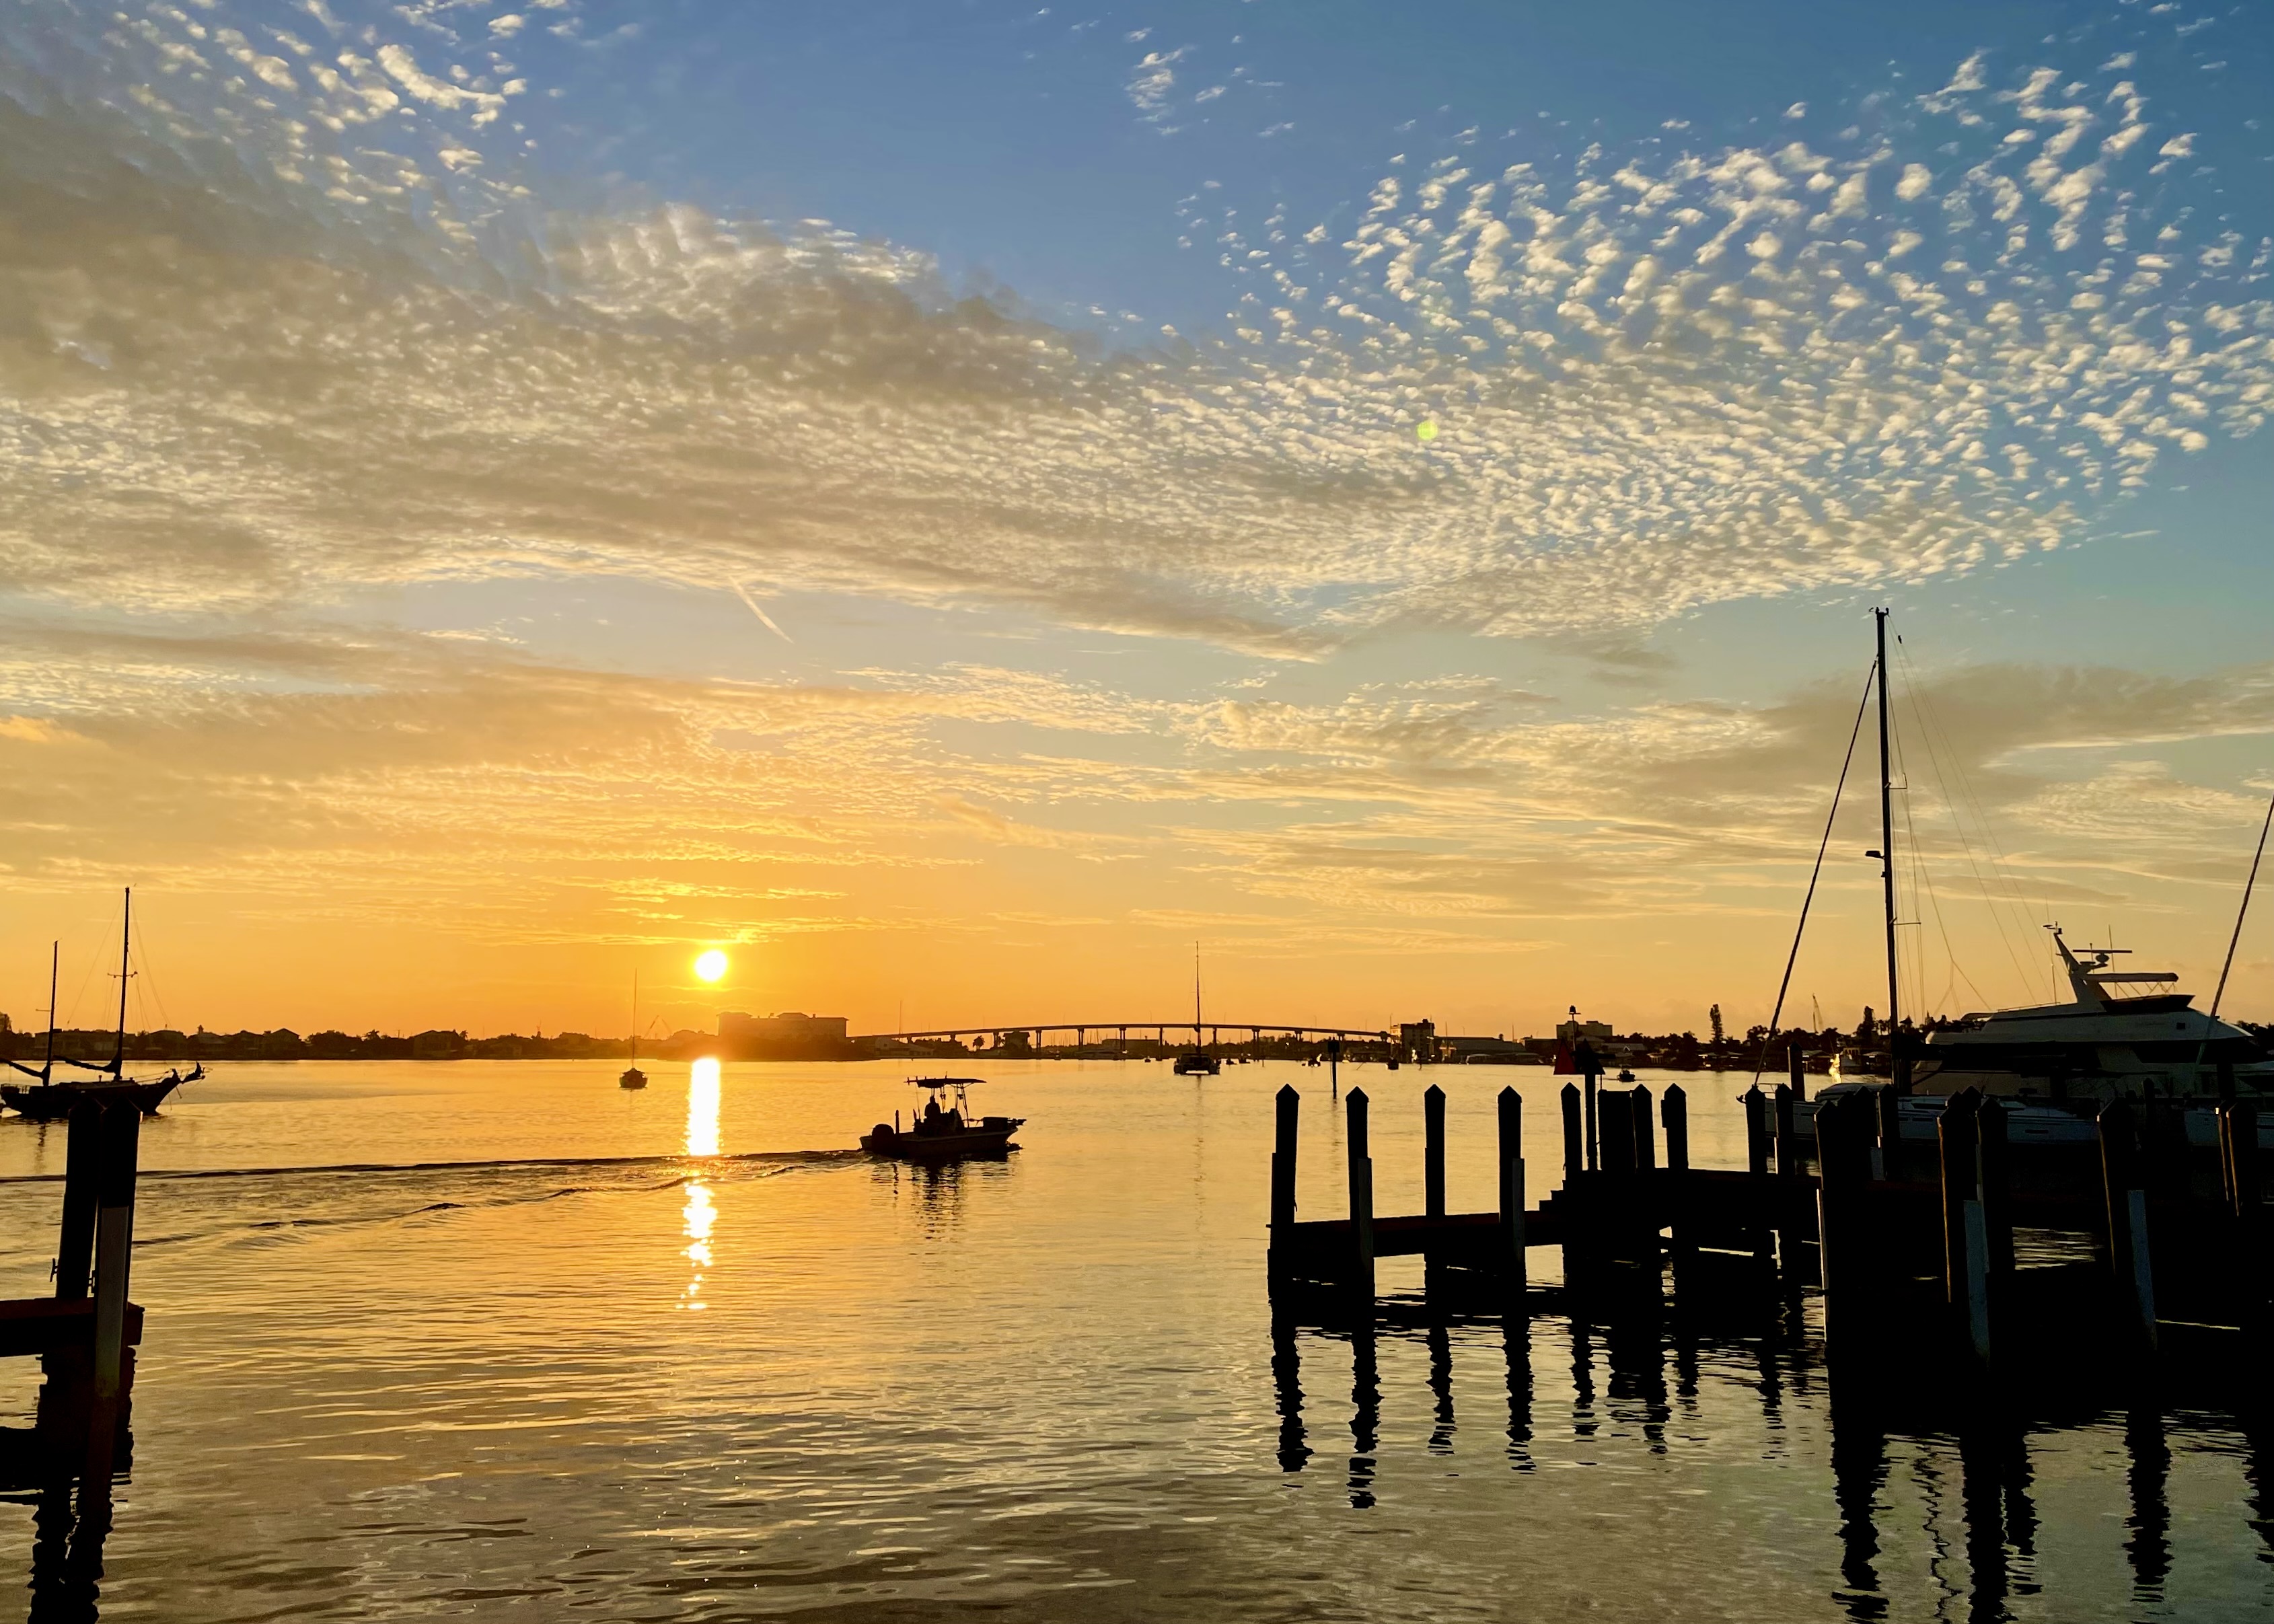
[958, 503]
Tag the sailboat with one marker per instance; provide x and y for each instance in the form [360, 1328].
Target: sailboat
[1196, 1061]
[50, 1101]
[2122, 1035]
[633, 1077]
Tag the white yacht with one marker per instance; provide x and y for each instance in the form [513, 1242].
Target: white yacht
[2109, 1042]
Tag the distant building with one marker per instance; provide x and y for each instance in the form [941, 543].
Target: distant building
[437, 1045]
[1417, 1040]
[789, 1028]
[1596, 1032]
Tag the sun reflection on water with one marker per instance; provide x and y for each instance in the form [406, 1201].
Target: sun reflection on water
[702, 1108]
[697, 1216]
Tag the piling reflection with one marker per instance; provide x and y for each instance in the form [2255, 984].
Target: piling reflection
[1440, 1389]
[1366, 1415]
[1516, 1346]
[67, 1553]
[1859, 1473]
[2148, 1529]
[1287, 1387]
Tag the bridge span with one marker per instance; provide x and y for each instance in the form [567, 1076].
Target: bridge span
[1083, 1035]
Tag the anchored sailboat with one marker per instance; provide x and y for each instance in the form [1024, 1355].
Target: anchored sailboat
[50, 1101]
[633, 1077]
[1196, 1061]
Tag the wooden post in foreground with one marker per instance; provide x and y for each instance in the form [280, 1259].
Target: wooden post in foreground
[1433, 1151]
[1282, 1177]
[1361, 1199]
[1511, 1189]
[1757, 1165]
[114, 1254]
[1575, 1156]
[82, 1176]
[2124, 1185]
[1845, 1243]
[1674, 1112]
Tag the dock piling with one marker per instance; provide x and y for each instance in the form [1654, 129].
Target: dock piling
[114, 1255]
[1432, 1152]
[1674, 1111]
[1787, 1141]
[2124, 1186]
[82, 1174]
[1645, 1140]
[1361, 1198]
[1575, 1156]
[1511, 1188]
[1757, 1168]
[1283, 1144]
[1886, 1152]
[1847, 1257]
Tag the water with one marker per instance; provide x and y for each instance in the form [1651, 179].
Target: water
[781, 1378]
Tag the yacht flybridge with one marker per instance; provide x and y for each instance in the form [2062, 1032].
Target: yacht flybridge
[2125, 1033]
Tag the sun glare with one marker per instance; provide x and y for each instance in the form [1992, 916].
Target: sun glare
[711, 965]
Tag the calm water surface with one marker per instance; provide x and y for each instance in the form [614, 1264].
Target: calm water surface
[754, 1375]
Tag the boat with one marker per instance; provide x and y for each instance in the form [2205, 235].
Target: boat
[2053, 1065]
[944, 1129]
[633, 1077]
[49, 1100]
[1196, 1061]
[2107, 1042]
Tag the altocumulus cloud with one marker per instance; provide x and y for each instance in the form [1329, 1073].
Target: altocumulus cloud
[278, 314]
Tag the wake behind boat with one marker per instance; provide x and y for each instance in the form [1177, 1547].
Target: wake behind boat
[944, 1129]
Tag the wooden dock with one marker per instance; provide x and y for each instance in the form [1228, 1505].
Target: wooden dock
[84, 1335]
[2145, 1249]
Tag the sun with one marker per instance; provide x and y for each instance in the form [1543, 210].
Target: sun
[711, 964]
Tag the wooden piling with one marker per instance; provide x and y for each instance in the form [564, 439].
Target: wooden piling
[114, 1254]
[1284, 1145]
[1787, 1142]
[2238, 1136]
[1361, 1199]
[1847, 1258]
[1796, 1063]
[1967, 1269]
[1955, 1145]
[1512, 1189]
[82, 1176]
[1614, 1127]
[1594, 1136]
[1646, 1140]
[1674, 1111]
[1757, 1165]
[1757, 1133]
[2124, 1186]
[1432, 1152]
[1575, 1156]
[1887, 1154]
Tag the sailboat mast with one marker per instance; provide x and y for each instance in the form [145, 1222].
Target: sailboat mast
[1896, 1071]
[633, 1052]
[125, 949]
[54, 962]
[1196, 995]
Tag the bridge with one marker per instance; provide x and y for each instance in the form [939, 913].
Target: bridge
[1114, 1034]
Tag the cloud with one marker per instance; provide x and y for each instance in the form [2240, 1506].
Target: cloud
[360, 351]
